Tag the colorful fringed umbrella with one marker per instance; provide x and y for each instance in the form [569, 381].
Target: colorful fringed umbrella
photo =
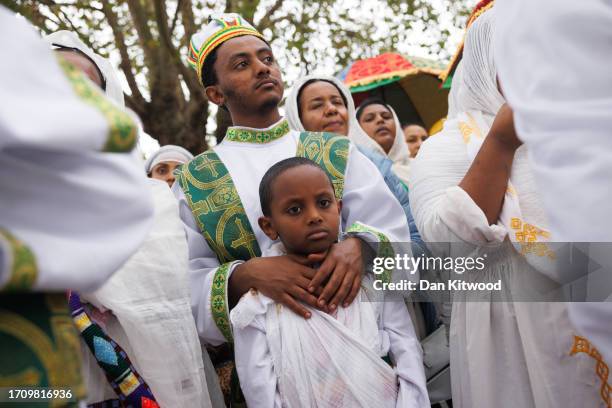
[410, 86]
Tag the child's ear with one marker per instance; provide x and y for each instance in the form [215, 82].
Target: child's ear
[339, 207]
[266, 226]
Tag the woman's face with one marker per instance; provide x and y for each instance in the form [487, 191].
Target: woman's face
[378, 123]
[322, 109]
[164, 171]
[415, 136]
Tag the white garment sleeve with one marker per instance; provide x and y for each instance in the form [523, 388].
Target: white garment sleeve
[368, 200]
[406, 354]
[255, 366]
[70, 213]
[203, 266]
[443, 211]
[562, 112]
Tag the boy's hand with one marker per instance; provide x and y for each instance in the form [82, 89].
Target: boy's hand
[343, 266]
[284, 279]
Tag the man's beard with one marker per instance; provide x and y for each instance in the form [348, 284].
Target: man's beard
[240, 103]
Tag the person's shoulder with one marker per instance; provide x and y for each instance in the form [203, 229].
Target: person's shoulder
[375, 157]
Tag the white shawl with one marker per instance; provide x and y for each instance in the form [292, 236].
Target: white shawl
[399, 153]
[324, 361]
[151, 314]
[440, 166]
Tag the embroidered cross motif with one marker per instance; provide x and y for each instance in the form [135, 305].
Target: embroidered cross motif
[244, 239]
[206, 163]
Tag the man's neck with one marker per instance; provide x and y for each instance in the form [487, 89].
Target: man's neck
[259, 121]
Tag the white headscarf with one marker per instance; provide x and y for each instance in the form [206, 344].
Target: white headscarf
[64, 38]
[399, 153]
[473, 103]
[168, 153]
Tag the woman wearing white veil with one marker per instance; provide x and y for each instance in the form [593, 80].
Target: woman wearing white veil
[472, 185]
[68, 41]
[145, 306]
[385, 121]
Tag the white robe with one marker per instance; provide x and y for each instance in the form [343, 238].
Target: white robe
[366, 199]
[563, 115]
[345, 349]
[503, 354]
[148, 314]
[81, 212]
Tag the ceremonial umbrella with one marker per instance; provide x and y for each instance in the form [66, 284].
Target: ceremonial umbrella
[411, 86]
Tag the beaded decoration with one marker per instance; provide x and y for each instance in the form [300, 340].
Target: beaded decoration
[132, 390]
[230, 26]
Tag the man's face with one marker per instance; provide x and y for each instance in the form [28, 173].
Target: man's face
[164, 171]
[415, 135]
[304, 211]
[249, 77]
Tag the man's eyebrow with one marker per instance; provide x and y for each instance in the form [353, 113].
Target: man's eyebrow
[245, 54]
[264, 48]
[238, 55]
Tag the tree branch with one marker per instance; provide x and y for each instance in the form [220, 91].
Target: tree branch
[140, 21]
[137, 100]
[176, 13]
[265, 20]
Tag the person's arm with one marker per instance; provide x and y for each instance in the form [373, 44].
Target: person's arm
[487, 179]
[443, 211]
[74, 203]
[406, 354]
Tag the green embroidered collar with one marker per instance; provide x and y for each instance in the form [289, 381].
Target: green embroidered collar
[260, 136]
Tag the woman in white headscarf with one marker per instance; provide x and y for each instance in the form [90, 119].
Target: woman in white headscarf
[145, 306]
[161, 164]
[472, 185]
[383, 132]
[101, 71]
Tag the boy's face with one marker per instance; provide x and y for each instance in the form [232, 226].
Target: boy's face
[304, 211]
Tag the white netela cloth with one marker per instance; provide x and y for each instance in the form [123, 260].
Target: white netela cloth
[76, 207]
[335, 360]
[150, 315]
[563, 115]
[502, 353]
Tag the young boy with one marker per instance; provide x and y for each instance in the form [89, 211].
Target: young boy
[328, 360]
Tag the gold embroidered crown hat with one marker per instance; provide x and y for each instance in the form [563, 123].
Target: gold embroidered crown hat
[220, 28]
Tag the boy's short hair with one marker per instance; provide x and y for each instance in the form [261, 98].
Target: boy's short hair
[265, 186]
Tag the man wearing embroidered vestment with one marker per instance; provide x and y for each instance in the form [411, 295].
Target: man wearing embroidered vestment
[219, 200]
